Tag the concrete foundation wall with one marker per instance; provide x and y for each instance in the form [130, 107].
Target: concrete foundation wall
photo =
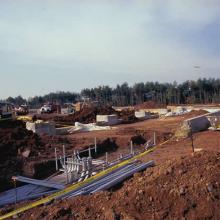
[107, 119]
[208, 108]
[200, 123]
[42, 127]
[142, 114]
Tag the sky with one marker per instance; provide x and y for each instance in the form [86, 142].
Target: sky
[68, 45]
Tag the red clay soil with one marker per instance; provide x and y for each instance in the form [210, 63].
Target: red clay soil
[86, 115]
[164, 127]
[127, 116]
[195, 113]
[43, 147]
[186, 188]
[20, 149]
[149, 104]
[206, 140]
[14, 140]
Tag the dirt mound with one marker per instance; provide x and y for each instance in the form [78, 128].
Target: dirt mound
[149, 104]
[182, 189]
[16, 143]
[127, 116]
[195, 113]
[86, 115]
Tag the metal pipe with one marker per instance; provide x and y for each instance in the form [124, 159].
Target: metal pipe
[107, 178]
[101, 179]
[86, 190]
[123, 176]
[123, 158]
[45, 183]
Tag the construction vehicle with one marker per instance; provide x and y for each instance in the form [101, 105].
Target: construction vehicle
[50, 108]
[22, 110]
[85, 104]
[68, 108]
[6, 110]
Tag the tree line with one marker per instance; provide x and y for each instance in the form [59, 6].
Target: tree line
[201, 91]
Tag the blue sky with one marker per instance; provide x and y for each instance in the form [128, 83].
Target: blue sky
[53, 45]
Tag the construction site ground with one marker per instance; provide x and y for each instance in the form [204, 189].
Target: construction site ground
[186, 188]
[142, 131]
[181, 185]
[15, 137]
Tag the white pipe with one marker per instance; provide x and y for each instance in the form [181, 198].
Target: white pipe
[90, 152]
[123, 176]
[64, 154]
[106, 158]
[95, 146]
[56, 159]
